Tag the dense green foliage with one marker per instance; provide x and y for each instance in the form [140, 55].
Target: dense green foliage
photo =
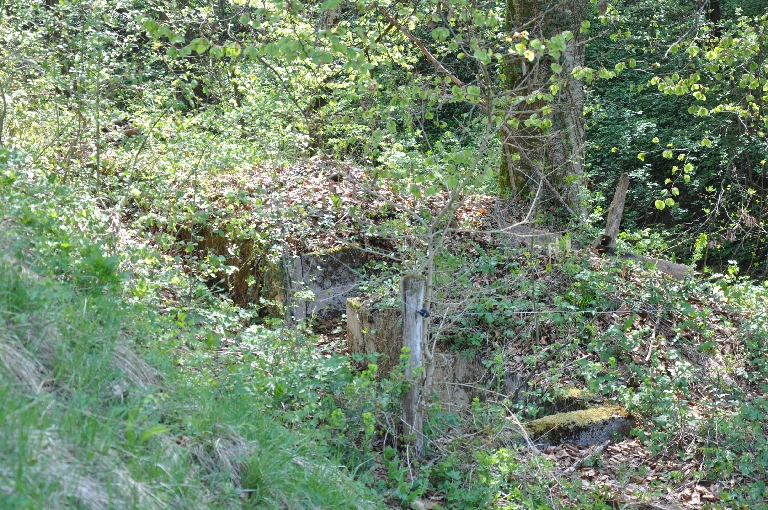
[155, 194]
[685, 120]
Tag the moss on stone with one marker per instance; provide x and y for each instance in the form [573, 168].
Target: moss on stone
[569, 399]
[334, 251]
[588, 426]
[574, 393]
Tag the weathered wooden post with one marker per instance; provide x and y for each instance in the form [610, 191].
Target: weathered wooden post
[607, 242]
[412, 289]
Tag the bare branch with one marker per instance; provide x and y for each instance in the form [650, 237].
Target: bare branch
[424, 50]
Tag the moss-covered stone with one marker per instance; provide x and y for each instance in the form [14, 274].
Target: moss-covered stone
[569, 399]
[585, 427]
[336, 250]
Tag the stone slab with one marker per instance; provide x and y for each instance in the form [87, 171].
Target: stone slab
[331, 276]
[585, 428]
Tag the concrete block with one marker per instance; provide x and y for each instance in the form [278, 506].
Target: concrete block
[586, 427]
[455, 378]
[331, 276]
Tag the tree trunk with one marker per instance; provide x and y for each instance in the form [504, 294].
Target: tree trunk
[546, 165]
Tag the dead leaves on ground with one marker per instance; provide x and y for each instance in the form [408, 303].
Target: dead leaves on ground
[320, 204]
[636, 478]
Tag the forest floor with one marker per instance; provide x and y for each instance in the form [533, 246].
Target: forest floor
[671, 351]
[627, 473]
[332, 207]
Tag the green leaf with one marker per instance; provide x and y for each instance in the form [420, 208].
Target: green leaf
[199, 45]
[606, 74]
[705, 346]
[641, 156]
[706, 142]
[440, 33]
[152, 432]
[151, 26]
[217, 51]
[271, 50]
[330, 4]
[482, 56]
[660, 205]
[232, 50]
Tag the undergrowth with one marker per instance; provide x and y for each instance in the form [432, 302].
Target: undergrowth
[132, 382]
[107, 401]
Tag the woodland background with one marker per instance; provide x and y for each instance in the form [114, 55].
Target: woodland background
[162, 163]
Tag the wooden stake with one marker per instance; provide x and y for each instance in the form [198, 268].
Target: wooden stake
[607, 242]
[412, 289]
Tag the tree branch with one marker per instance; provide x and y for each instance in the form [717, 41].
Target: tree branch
[424, 50]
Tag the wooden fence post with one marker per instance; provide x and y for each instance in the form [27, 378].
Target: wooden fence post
[607, 242]
[412, 289]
